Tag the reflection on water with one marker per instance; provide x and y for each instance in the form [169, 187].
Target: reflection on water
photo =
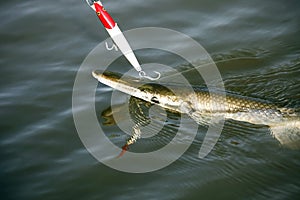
[283, 122]
[256, 44]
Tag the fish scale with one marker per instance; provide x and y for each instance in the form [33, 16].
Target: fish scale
[203, 105]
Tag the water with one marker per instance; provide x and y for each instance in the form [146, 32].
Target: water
[43, 46]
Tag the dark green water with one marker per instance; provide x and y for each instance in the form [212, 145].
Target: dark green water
[43, 45]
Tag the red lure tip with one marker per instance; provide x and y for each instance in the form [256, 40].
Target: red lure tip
[104, 17]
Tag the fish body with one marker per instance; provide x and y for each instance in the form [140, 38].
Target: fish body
[203, 105]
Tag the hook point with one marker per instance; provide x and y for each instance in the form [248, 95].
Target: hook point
[144, 75]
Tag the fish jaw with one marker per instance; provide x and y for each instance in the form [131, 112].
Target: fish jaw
[150, 92]
[115, 81]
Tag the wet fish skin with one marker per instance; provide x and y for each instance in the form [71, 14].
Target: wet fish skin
[202, 105]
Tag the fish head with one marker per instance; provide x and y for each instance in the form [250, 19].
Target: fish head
[150, 92]
[160, 95]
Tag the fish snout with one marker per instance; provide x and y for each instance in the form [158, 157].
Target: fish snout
[97, 74]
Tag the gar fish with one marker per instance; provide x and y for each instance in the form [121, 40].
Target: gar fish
[202, 105]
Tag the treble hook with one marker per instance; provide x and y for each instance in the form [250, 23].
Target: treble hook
[113, 47]
[144, 75]
[90, 2]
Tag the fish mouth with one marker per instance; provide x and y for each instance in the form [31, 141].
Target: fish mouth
[113, 76]
[126, 84]
[101, 74]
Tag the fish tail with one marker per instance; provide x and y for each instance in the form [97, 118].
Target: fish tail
[287, 133]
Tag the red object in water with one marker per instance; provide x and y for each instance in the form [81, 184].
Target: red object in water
[124, 149]
[104, 17]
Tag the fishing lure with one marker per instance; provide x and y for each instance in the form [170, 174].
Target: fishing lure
[118, 37]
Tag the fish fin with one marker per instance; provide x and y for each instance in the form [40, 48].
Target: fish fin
[214, 131]
[287, 133]
[134, 137]
[124, 149]
[199, 117]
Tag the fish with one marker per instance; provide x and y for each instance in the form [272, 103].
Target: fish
[202, 105]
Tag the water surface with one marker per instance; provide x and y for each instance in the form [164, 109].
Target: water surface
[43, 44]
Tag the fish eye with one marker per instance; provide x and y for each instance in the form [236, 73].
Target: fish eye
[154, 100]
[98, 13]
